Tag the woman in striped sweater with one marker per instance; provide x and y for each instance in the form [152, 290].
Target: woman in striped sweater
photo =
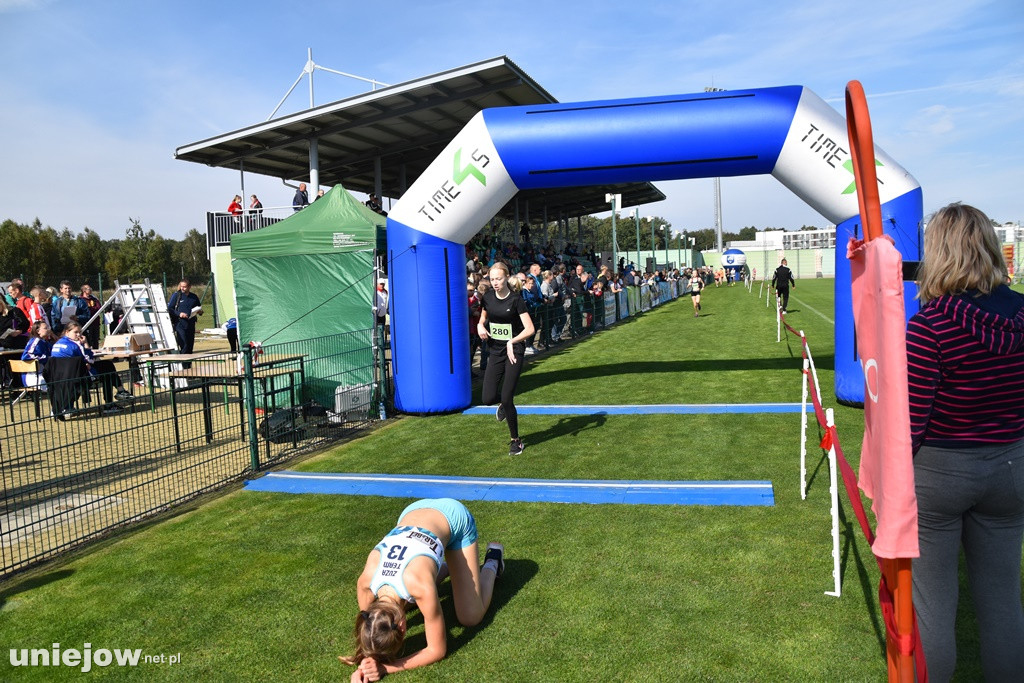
[965, 352]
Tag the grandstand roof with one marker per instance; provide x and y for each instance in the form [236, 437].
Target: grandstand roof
[405, 126]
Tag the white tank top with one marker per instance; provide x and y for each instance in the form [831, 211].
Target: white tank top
[397, 550]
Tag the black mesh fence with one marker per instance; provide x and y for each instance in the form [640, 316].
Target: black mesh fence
[85, 453]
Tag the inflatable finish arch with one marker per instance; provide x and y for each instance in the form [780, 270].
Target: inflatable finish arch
[788, 132]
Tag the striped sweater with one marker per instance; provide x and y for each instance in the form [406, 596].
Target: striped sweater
[965, 366]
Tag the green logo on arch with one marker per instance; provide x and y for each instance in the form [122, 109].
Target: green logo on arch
[461, 172]
[852, 187]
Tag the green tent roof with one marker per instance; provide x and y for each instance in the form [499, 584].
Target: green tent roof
[334, 224]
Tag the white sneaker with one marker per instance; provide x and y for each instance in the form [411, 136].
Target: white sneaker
[529, 351]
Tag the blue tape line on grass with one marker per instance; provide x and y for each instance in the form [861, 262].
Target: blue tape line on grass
[640, 492]
[663, 409]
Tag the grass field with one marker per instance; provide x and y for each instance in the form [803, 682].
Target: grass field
[260, 586]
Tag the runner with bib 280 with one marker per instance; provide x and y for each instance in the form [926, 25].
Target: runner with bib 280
[505, 326]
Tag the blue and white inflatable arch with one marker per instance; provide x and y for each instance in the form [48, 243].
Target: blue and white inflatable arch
[788, 132]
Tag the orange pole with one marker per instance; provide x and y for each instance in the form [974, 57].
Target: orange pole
[895, 572]
[862, 148]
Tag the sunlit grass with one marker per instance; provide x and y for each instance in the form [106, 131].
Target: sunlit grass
[260, 586]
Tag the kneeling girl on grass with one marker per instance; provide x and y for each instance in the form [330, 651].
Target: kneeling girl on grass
[404, 569]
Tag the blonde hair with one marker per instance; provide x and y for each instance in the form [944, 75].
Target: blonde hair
[961, 252]
[378, 633]
[511, 282]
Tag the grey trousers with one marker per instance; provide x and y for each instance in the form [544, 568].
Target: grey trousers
[972, 497]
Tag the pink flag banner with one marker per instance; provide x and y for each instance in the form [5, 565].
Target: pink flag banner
[886, 461]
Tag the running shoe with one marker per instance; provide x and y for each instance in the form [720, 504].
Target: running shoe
[516, 447]
[499, 413]
[496, 552]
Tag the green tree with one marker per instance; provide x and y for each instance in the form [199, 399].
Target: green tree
[88, 253]
[189, 255]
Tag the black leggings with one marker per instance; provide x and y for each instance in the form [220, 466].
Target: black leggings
[783, 292]
[501, 373]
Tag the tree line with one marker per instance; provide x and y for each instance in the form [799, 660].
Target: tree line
[37, 254]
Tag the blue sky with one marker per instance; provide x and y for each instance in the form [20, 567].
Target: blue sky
[97, 95]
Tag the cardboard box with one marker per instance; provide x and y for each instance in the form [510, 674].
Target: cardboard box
[137, 342]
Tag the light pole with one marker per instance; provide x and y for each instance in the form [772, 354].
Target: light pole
[654, 254]
[636, 215]
[667, 233]
[616, 200]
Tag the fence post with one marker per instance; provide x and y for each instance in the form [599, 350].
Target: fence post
[250, 409]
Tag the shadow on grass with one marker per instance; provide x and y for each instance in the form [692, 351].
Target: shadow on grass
[517, 574]
[864, 579]
[32, 584]
[565, 426]
[538, 378]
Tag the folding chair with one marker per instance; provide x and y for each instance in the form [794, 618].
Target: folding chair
[27, 368]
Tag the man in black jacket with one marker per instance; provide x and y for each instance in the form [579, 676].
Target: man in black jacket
[781, 280]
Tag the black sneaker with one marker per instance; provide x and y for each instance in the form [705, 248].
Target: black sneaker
[499, 413]
[496, 552]
[112, 409]
[516, 447]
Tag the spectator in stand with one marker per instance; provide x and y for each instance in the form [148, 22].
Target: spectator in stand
[181, 306]
[524, 232]
[481, 289]
[473, 300]
[380, 302]
[14, 289]
[319, 194]
[93, 305]
[38, 350]
[35, 310]
[13, 327]
[473, 262]
[535, 276]
[562, 321]
[255, 212]
[549, 297]
[374, 205]
[235, 207]
[531, 295]
[74, 343]
[301, 198]
[965, 357]
[17, 291]
[66, 308]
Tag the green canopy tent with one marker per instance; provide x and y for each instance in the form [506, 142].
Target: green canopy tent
[309, 278]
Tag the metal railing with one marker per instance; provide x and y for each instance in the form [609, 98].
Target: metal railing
[191, 427]
[221, 226]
